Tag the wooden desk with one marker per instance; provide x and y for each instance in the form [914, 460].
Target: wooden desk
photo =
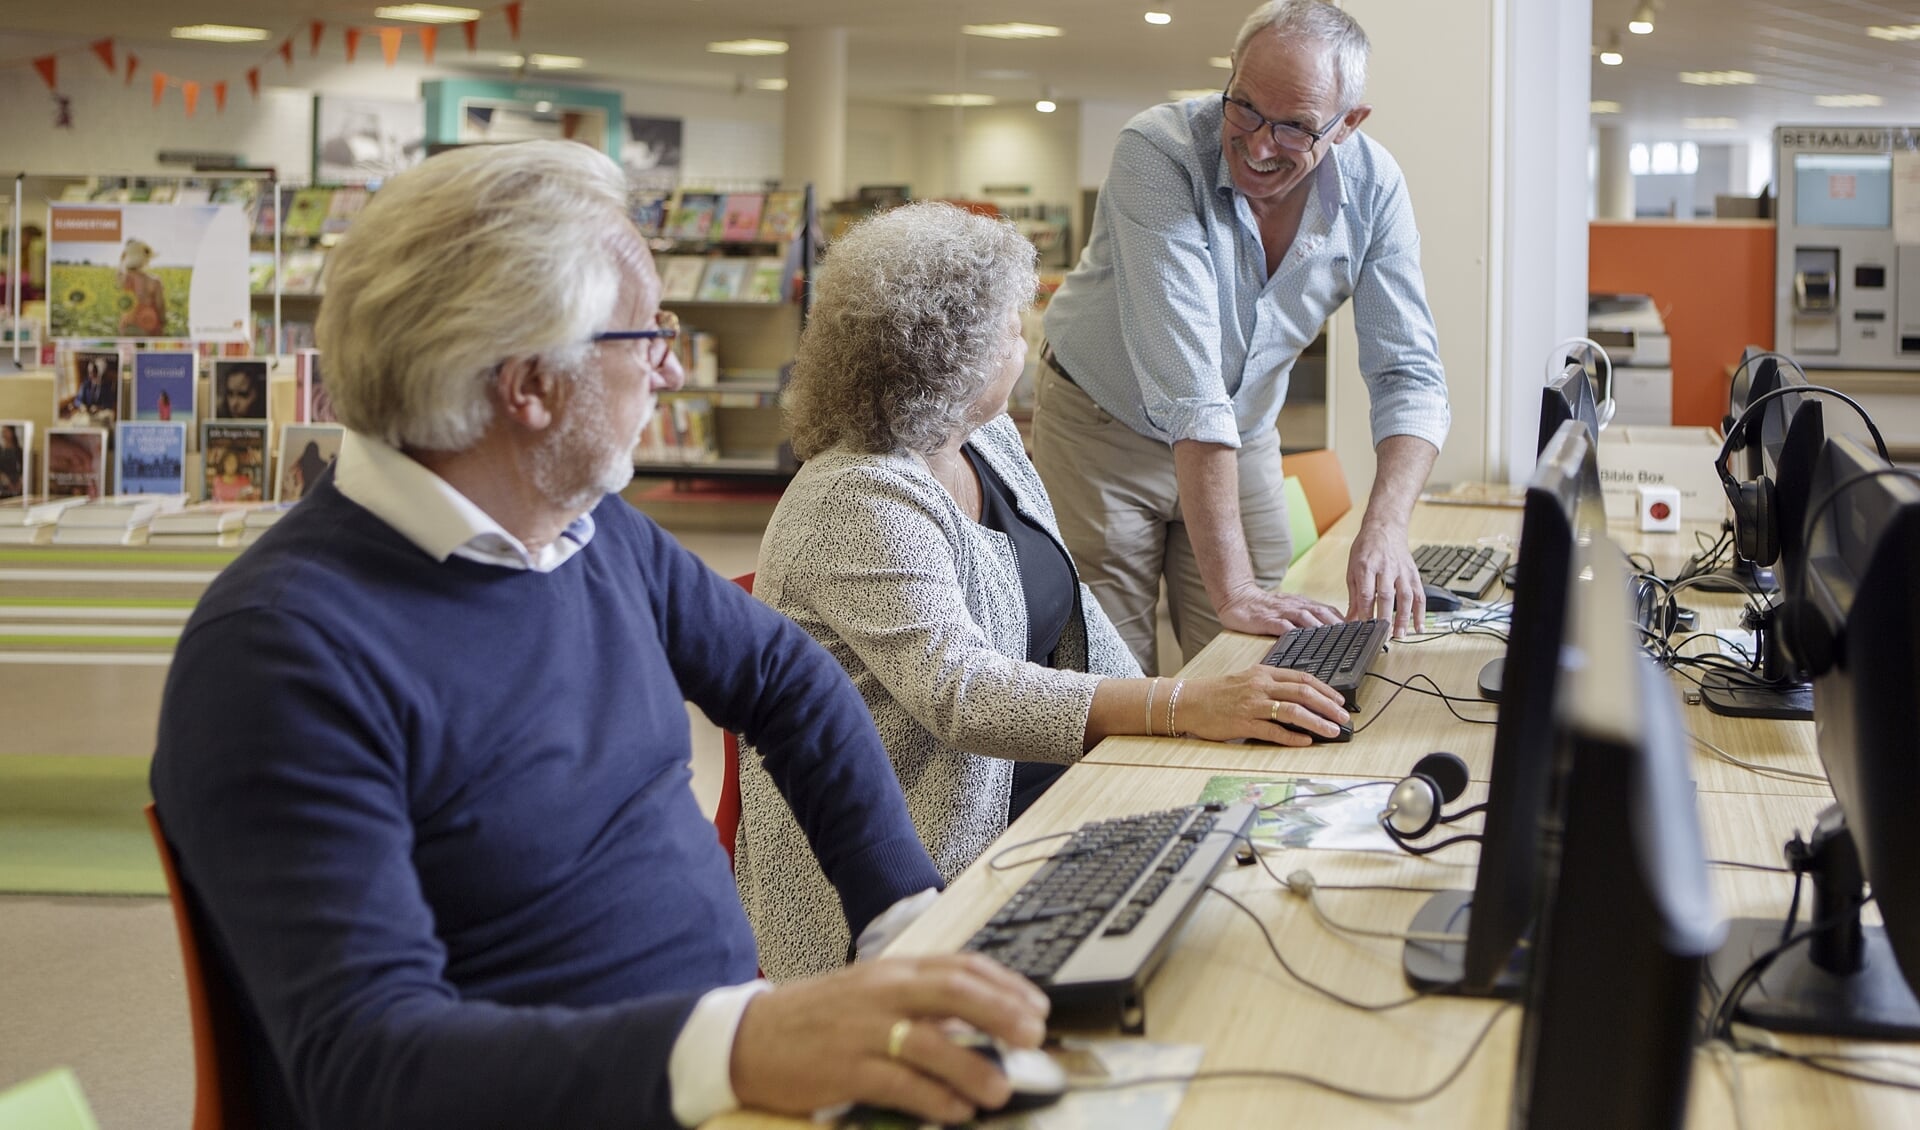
[1395, 736]
[1221, 987]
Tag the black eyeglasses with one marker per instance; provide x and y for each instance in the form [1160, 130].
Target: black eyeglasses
[1287, 135]
[659, 339]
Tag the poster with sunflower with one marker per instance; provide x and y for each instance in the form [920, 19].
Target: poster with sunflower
[147, 271]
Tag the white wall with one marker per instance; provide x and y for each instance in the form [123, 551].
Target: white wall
[1011, 144]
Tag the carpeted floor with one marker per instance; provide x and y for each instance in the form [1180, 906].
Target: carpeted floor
[73, 826]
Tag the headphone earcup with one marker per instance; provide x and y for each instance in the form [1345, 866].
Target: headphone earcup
[1447, 772]
[1766, 535]
[1413, 808]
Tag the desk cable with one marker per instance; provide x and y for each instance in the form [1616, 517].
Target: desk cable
[1772, 771]
[1436, 692]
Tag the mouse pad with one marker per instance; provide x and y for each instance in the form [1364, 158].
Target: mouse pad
[1087, 1061]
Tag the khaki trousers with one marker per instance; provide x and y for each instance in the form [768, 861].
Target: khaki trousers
[1118, 505]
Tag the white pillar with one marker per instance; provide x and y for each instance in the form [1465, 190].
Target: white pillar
[816, 111]
[1613, 176]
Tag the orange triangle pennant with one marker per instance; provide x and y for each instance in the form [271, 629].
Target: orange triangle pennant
[470, 29]
[220, 96]
[314, 31]
[47, 66]
[103, 48]
[353, 43]
[190, 92]
[159, 87]
[513, 19]
[286, 51]
[133, 64]
[253, 81]
[390, 43]
[429, 37]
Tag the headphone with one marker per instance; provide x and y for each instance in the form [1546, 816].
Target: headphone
[1558, 359]
[1734, 385]
[1813, 636]
[1413, 808]
[1754, 533]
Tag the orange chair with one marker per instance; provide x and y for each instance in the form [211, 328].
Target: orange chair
[726, 815]
[221, 1100]
[1325, 483]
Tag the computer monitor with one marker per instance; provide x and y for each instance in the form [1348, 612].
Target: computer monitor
[1758, 372]
[1568, 396]
[1563, 507]
[1626, 912]
[1855, 624]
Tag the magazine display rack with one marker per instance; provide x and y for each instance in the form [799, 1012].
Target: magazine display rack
[734, 266]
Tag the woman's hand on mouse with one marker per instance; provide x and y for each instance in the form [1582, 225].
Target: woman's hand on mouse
[1253, 703]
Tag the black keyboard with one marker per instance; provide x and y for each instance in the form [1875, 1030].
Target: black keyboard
[1094, 922]
[1469, 570]
[1336, 654]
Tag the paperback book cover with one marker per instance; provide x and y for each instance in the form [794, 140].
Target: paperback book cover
[306, 451]
[725, 280]
[16, 458]
[680, 277]
[740, 222]
[1300, 813]
[692, 215]
[302, 272]
[76, 463]
[151, 457]
[308, 213]
[260, 272]
[234, 460]
[768, 283]
[312, 403]
[783, 216]
[88, 392]
[239, 389]
[341, 210]
[164, 385]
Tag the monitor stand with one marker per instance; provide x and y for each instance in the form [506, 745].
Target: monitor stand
[1774, 690]
[1439, 967]
[1840, 982]
[1742, 576]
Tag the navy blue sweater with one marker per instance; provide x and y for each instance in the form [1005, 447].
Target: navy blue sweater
[438, 822]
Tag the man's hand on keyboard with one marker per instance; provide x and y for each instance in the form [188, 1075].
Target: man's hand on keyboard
[1261, 613]
[1253, 703]
[1382, 581]
[828, 1041]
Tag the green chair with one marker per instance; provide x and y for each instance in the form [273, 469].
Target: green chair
[1300, 517]
[46, 1102]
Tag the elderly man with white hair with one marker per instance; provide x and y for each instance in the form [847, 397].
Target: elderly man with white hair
[1229, 229]
[423, 758]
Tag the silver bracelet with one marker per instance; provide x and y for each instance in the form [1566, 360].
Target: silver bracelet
[1153, 685]
[1173, 703]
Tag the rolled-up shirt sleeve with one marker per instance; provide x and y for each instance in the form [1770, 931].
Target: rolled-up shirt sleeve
[1399, 347]
[1169, 297]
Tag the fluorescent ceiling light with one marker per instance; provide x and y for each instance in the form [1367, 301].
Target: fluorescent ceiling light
[220, 33]
[1045, 106]
[1718, 78]
[1012, 31]
[1224, 62]
[1158, 18]
[1002, 74]
[428, 13]
[1642, 21]
[1603, 107]
[769, 84]
[556, 62]
[511, 60]
[1844, 101]
[1611, 58]
[961, 99]
[1194, 92]
[1899, 34]
[748, 47]
[1711, 123]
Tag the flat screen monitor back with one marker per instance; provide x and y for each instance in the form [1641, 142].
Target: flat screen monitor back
[1563, 506]
[1626, 912]
[1568, 396]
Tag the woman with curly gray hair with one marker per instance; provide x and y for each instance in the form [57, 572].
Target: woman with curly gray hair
[919, 547]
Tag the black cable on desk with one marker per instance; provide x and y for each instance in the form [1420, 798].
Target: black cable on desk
[1436, 692]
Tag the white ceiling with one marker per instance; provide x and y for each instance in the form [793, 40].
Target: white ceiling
[902, 50]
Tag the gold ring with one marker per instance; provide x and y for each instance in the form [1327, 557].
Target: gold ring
[1273, 711]
[897, 1037]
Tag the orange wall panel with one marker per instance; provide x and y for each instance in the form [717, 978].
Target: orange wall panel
[1712, 281]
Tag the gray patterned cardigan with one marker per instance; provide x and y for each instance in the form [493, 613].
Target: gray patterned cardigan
[925, 610]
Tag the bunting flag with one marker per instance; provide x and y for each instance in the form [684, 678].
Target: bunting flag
[190, 92]
[429, 37]
[220, 96]
[390, 43]
[133, 64]
[314, 31]
[286, 51]
[47, 65]
[159, 87]
[253, 81]
[513, 19]
[470, 29]
[103, 48]
[353, 43]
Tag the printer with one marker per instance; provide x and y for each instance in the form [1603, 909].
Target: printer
[1630, 329]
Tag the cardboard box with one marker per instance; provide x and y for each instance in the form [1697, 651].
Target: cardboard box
[1635, 456]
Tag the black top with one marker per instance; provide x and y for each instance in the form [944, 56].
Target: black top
[1046, 575]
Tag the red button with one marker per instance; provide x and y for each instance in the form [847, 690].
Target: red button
[1660, 511]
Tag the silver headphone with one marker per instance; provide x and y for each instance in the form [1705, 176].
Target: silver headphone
[1414, 808]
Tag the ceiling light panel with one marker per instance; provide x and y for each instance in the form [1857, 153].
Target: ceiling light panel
[748, 47]
[220, 33]
[961, 99]
[1194, 92]
[1224, 62]
[1899, 34]
[1848, 101]
[1603, 107]
[1711, 123]
[1719, 78]
[556, 62]
[1012, 31]
[428, 13]
[769, 84]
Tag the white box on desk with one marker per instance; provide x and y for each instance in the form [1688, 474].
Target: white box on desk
[1640, 455]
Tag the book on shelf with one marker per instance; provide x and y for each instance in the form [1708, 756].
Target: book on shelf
[260, 272]
[740, 217]
[342, 208]
[300, 273]
[783, 216]
[201, 518]
[260, 517]
[307, 216]
[768, 281]
[164, 385]
[693, 215]
[76, 463]
[233, 460]
[680, 432]
[725, 280]
[306, 451]
[680, 277]
[699, 358]
[36, 510]
[119, 511]
[647, 208]
[16, 459]
[150, 457]
[87, 389]
[239, 389]
[313, 404]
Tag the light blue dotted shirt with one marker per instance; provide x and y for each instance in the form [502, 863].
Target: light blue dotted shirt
[1171, 324]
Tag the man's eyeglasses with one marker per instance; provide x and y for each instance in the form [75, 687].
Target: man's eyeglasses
[659, 339]
[1287, 135]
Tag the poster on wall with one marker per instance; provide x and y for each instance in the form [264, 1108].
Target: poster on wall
[149, 271]
[366, 140]
[495, 123]
[651, 156]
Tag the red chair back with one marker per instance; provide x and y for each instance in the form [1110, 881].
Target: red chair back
[726, 816]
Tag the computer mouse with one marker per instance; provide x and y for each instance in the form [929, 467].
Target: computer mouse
[1036, 1079]
[1345, 735]
[1442, 600]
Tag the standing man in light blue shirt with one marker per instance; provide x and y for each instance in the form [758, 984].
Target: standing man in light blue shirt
[1229, 230]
